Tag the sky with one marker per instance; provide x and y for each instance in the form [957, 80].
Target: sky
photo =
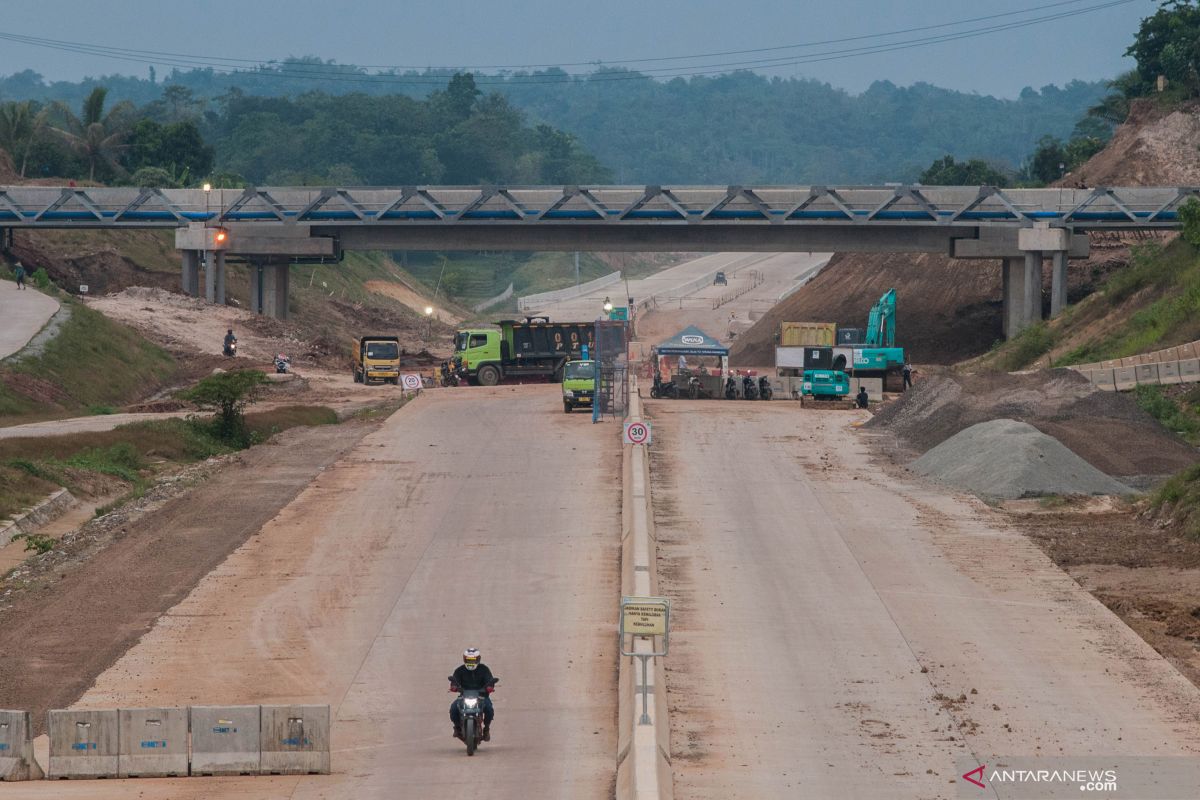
[1087, 46]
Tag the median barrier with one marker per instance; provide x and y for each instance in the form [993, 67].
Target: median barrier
[83, 744]
[1124, 378]
[225, 740]
[1146, 373]
[16, 748]
[153, 742]
[1168, 372]
[294, 740]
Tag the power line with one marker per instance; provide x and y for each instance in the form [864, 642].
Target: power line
[303, 71]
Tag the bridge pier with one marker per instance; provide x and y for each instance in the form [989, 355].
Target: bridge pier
[269, 282]
[1058, 283]
[191, 272]
[214, 277]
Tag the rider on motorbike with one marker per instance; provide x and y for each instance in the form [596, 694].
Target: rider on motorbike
[473, 674]
[230, 341]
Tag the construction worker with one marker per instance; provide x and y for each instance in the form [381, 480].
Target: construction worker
[861, 400]
[908, 371]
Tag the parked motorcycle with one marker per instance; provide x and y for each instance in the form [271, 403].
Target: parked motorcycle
[282, 363]
[470, 712]
[662, 388]
[730, 388]
[765, 392]
[749, 392]
[696, 390]
[449, 377]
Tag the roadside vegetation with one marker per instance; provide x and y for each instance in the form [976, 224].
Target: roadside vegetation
[127, 459]
[1177, 502]
[91, 362]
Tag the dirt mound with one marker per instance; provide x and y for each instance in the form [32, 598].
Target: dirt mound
[105, 261]
[1106, 429]
[1006, 459]
[1154, 147]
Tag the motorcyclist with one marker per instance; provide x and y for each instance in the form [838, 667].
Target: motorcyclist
[473, 674]
[730, 387]
[230, 341]
[764, 386]
[747, 386]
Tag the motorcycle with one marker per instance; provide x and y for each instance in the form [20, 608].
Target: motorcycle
[730, 388]
[470, 714]
[283, 364]
[230, 349]
[663, 388]
[449, 377]
[748, 390]
[765, 392]
[696, 390]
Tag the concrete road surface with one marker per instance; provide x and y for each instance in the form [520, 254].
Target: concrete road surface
[482, 517]
[838, 633]
[667, 283]
[22, 315]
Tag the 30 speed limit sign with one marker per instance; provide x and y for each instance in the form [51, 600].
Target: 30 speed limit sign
[637, 433]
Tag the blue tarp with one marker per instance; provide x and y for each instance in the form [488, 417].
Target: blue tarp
[691, 341]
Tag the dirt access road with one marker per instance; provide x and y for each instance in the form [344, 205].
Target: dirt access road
[24, 314]
[840, 633]
[476, 516]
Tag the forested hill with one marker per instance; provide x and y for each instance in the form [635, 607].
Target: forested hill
[735, 128]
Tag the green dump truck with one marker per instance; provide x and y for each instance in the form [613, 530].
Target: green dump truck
[535, 347]
[375, 358]
[578, 384]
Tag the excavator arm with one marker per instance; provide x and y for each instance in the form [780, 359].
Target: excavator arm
[881, 322]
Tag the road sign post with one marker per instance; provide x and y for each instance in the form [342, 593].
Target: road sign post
[637, 433]
[645, 618]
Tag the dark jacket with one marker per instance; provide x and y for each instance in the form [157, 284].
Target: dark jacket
[478, 678]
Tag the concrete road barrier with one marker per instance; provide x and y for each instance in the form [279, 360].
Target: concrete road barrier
[1124, 378]
[1168, 372]
[153, 742]
[16, 748]
[83, 744]
[1189, 370]
[225, 740]
[1146, 373]
[294, 740]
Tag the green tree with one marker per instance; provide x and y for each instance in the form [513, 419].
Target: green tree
[228, 394]
[1049, 162]
[1168, 43]
[97, 136]
[1189, 216]
[21, 125]
[176, 147]
[948, 172]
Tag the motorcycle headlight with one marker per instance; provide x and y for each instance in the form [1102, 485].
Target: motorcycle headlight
[568, 393]
[470, 702]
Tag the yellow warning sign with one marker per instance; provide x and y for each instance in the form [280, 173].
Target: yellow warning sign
[645, 616]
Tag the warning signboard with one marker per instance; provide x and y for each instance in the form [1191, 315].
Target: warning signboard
[637, 433]
[411, 381]
[645, 616]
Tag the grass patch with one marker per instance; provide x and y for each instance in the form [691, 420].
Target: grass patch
[1026, 347]
[1180, 418]
[93, 362]
[19, 490]
[1179, 499]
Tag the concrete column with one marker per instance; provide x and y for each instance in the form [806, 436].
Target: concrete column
[210, 276]
[1058, 283]
[219, 258]
[191, 272]
[256, 287]
[1033, 286]
[275, 289]
[1015, 316]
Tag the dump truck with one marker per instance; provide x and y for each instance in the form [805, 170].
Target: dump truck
[376, 358]
[534, 347]
[578, 385]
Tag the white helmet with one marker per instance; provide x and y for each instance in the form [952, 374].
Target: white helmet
[471, 657]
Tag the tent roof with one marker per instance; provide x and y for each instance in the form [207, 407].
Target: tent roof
[691, 341]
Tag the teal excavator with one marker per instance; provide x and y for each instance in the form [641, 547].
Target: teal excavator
[876, 357]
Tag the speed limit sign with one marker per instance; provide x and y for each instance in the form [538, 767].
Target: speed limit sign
[637, 433]
[411, 381]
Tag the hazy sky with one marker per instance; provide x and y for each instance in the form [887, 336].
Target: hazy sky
[446, 33]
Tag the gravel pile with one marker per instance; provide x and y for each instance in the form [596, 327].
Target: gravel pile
[1006, 459]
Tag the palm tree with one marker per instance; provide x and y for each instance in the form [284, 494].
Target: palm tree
[21, 124]
[97, 137]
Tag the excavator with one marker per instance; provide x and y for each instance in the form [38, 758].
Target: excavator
[875, 357]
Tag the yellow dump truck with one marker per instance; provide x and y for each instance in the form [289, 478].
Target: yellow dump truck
[376, 358]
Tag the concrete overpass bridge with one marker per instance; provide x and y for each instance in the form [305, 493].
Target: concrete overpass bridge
[270, 228]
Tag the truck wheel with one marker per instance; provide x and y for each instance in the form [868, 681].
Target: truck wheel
[566, 407]
[357, 378]
[488, 375]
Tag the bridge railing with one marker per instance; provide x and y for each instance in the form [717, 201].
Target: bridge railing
[1128, 207]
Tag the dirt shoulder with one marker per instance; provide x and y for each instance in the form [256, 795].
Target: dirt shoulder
[67, 616]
